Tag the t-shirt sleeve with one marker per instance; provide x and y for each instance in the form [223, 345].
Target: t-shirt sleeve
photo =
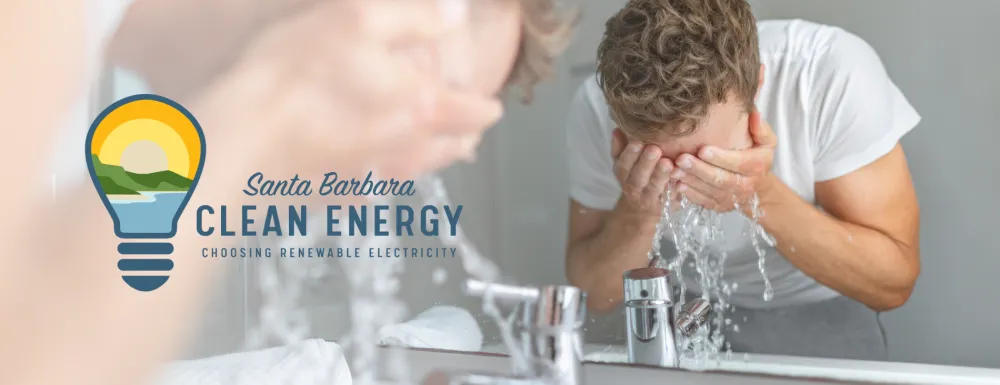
[592, 181]
[862, 114]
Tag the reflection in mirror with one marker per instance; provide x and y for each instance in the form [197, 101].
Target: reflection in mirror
[829, 269]
[734, 186]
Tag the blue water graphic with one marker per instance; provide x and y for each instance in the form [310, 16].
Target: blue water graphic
[153, 216]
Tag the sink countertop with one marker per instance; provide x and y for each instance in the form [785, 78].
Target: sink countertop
[836, 369]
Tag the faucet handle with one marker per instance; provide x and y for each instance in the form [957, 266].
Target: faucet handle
[546, 306]
[693, 316]
[503, 292]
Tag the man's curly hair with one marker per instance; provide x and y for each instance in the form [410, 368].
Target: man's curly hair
[546, 30]
[663, 63]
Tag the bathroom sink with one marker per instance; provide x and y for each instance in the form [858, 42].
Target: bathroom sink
[424, 361]
[833, 369]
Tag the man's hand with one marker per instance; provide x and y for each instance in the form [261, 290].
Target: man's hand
[181, 47]
[724, 180]
[643, 173]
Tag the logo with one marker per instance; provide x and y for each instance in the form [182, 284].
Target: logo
[145, 154]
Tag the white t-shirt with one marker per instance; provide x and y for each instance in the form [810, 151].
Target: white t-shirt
[834, 109]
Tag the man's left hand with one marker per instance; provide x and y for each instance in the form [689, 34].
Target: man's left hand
[724, 180]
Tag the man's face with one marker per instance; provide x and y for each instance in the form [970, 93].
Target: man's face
[725, 126]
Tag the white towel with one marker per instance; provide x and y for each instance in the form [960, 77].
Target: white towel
[308, 362]
[440, 327]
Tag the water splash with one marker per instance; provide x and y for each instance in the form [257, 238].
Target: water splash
[281, 320]
[694, 231]
[374, 304]
[433, 190]
[755, 238]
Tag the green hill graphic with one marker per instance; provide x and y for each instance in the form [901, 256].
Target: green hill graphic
[116, 181]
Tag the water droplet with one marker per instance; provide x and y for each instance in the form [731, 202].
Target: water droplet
[439, 276]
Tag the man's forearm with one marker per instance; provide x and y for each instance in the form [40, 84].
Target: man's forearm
[856, 261]
[597, 262]
[75, 278]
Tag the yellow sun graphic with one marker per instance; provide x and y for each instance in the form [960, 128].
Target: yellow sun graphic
[146, 136]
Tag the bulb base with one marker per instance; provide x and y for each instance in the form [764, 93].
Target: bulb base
[136, 248]
[145, 283]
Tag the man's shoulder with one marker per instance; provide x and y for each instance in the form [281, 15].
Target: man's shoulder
[803, 38]
[814, 54]
[590, 90]
[589, 99]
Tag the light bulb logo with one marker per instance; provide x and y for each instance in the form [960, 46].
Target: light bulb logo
[145, 154]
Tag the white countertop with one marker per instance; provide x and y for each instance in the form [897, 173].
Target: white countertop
[844, 370]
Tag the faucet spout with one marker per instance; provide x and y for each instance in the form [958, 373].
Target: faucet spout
[550, 327]
[648, 317]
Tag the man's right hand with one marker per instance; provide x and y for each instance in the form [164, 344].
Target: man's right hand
[604, 244]
[643, 173]
[300, 101]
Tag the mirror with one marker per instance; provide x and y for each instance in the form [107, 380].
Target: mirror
[841, 81]
[531, 156]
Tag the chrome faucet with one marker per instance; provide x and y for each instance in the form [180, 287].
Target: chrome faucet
[649, 317]
[551, 336]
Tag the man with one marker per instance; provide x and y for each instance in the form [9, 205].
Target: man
[684, 93]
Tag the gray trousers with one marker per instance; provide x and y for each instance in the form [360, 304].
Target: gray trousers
[836, 328]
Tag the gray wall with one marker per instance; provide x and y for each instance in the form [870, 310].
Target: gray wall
[944, 56]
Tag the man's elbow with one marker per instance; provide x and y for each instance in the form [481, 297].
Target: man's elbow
[897, 296]
[892, 300]
[598, 301]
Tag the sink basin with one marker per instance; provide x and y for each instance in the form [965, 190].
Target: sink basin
[423, 361]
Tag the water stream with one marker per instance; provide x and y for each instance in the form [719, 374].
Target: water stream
[481, 268]
[694, 231]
